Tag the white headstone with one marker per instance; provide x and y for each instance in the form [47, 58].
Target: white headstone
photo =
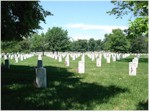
[73, 57]
[41, 80]
[113, 57]
[108, 59]
[5, 57]
[83, 58]
[100, 56]
[96, 55]
[16, 59]
[55, 56]
[81, 67]
[138, 56]
[21, 57]
[9, 56]
[60, 58]
[67, 62]
[12, 56]
[92, 56]
[132, 68]
[39, 57]
[25, 56]
[39, 62]
[118, 56]
[135, 60]
[98, 62]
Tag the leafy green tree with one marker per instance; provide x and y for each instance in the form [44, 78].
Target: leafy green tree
[20, 18]
[74, 46]
[137, 8]
[57, 39]
[139, 45]
[92, 44]
[37, 42]
[83, 45]
[107, 43]
[25, 45]
[79, 45]
[10, 46]
[98, 45]
[117, 41]
[138, 29]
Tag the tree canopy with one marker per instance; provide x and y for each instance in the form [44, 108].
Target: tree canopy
[137, 32]
[92, 45]
[36, 42]
[117, 41]
[20, 18]
[57, 39]
[138, 9]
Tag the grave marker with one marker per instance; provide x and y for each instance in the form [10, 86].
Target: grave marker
[118, 57]
[39, 63]
[132, 68]
[41, 80]
[100, 56]
[108, 58]
[114, 57]
[60, 58]
[135, 60]
[81, 67]
[83, 58]
[12, 56]
[67, 62]
[5, 57]
[21, 57]
[92, 56]
[98, 62]
[16, 59]
[55, 55]
[6, 62]
[73, 57]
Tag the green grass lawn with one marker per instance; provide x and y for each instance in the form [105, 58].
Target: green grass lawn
[101, 88]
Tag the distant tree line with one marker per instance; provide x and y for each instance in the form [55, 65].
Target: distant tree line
[57, 39]
[21, 19]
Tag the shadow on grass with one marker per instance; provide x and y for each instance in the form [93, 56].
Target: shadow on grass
[65, 91]
[141, 60]
[143, 106]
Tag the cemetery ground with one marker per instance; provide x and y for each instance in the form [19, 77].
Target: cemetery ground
[108, 87]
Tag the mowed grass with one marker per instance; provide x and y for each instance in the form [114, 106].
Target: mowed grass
[108, 87]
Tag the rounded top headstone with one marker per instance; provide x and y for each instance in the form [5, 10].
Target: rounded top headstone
[5, 57]
[39, 57]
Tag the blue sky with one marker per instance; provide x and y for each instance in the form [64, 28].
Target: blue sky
[82, 19]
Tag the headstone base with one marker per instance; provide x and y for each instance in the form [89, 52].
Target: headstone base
[7, 64]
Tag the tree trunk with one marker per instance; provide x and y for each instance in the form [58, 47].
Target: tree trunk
[42, 51]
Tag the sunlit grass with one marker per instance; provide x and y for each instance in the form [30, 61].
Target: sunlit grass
[108, 87]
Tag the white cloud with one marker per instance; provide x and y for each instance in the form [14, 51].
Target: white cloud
[77, 37]
[106, 28]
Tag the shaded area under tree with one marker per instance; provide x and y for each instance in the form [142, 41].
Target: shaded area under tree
[65, 90]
